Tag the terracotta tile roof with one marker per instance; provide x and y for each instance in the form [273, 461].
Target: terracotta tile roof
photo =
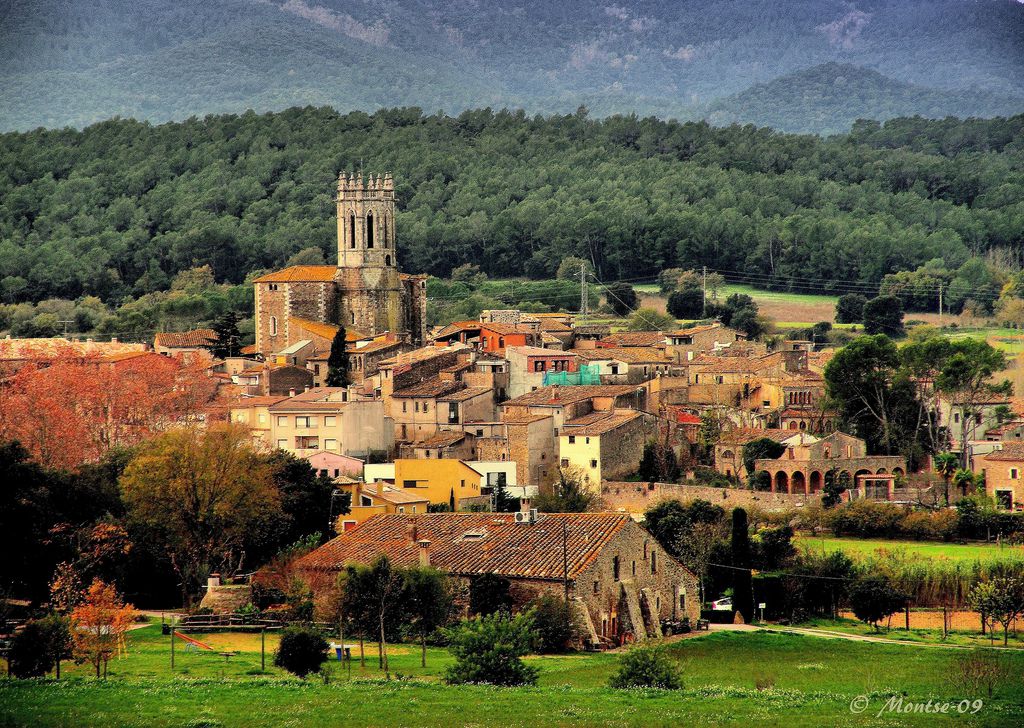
[634, 338]
[468, 544]
[593, 329]
[248, 350]
[456, 327]
[434, 387]
[555, 326]
[440, 439]
[300, 274]
[393, 495]
[324, 331]
[505, 329]
[375, 346]
[557, 394]
[628, 354]
[424, 353]
[538, 351]
[125, 356]
[523, 419]
[463, 394]
[743, 435]
[694, 330]
[185, 339]
[598, 423]
[686, 418]
[1012, 451]
[260, 401]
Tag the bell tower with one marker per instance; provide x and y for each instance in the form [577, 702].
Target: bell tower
[368, 283]
[366, 221]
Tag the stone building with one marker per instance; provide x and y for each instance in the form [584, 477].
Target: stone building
[620, 580]
[364, 291]
[606, 445]
[1004, 475]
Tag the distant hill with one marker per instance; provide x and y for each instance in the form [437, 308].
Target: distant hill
[74, 63]
[830, 97]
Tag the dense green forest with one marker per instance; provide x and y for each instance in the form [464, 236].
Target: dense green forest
[119, 210]
[64, 62]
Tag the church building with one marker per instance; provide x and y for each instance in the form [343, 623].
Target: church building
[365, 293]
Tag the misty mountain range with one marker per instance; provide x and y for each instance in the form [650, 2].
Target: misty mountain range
[801, 65]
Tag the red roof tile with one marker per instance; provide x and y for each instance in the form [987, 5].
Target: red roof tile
[185, 339]
[300, 274]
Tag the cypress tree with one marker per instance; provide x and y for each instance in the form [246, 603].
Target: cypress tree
[337, 362]
[742, 587]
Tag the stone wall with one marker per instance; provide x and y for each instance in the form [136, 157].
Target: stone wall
[622, 448]
[638, 497]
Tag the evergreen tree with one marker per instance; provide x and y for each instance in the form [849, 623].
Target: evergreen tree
[742, 588]
[337, 362]
[227, 340]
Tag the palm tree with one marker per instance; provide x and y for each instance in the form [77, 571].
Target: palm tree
[963, 479]
[946, 464]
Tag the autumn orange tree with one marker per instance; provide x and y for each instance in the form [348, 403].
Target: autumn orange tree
[99, 623]
[71, 409]
[203, 494]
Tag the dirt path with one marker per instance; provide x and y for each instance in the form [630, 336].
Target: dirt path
[829, 634]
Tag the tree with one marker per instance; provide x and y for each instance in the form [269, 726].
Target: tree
[622, 298]
[490, 650]
[742, 586]
[554, 624]
[749, 322]
[501, 501]
[384, 585]
[833, 488]
[884, 315]
[337, 361]
[873, 599]
[850, 308]
[40, 646]
[357, 604]
[568, 493]
[763, 448]
[203, 494]
[99, 623]
[964, 479]
[227, 341]
[946, 464]
[302, 650]
[1000, 600]
[697, 546]
[649, 319]
[309, 502]
[686, 303]
[489, 594]
[658, 463]
[569, 268]
[428, 601]
[646, 666]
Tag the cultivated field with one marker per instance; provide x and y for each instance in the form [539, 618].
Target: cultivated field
[964, 553]
[730, 679]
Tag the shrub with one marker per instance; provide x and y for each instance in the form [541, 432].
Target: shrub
[554, 624]
[37, 648]
[489, 593]
[850, 308]
[930, 525]
[302, 651]
[865, 519]
[489, 650]
[647, 667]
[873, 599]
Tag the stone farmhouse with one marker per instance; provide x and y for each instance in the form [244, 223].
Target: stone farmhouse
[615, 573]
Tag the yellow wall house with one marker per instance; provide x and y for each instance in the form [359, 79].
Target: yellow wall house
[369, 500]
[438, 481]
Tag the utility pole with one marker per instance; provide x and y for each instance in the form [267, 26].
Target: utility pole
[583, 291]
[65, 326]
[565, 559]
[940, 305]
[704, 276]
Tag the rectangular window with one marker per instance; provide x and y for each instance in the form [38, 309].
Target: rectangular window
[565, 462]
[262, 418]
[538, 366]
[597, 587]
[453, 413]
[408, 483]
[330, 421]
[305, 421]
[401, 509]
[614, 368]
[417, 406]
[330, 444]
[593, 463]
[572, 439]
[405, 406]
[615, 568]
[1014, 474]
[282, 444]
[426, 407]
[306, 442]
[282, 421]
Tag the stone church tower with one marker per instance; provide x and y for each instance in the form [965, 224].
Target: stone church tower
[365, 292]
[369, 287]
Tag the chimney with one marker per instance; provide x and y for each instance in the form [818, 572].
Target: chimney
[410, 528]
[291, 392]
[424, 545]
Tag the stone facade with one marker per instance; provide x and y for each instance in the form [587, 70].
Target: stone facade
[638, 497]
[365, 291]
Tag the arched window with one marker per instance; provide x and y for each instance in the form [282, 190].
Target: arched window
[387, 260]
[352, 230]
[385, 236]
[353, 316]
[369, 230]
[273, 325]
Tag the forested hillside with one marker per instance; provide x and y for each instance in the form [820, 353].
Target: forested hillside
[64, 62]
[829, 98]
[116, 210]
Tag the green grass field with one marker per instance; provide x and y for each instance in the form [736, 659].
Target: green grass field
[804, 681]
[971, 552]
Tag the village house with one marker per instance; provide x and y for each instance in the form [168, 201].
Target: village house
[565, 403]
[273, 380]
[1003, 471]
[451, 444]
[729, 448]
[802, 468]
[626, 364]
[374, 499]
[683, 344]
[605, 445]
[528, 440]
[254, 413]
[335, 465]
[528, 365]
[419, 365]
[448, 482]
[183, 342]
[622, 582]
[438, 404]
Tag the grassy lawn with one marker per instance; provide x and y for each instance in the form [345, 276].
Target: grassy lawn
[964, 638]
[805, 681]
[970, 552]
